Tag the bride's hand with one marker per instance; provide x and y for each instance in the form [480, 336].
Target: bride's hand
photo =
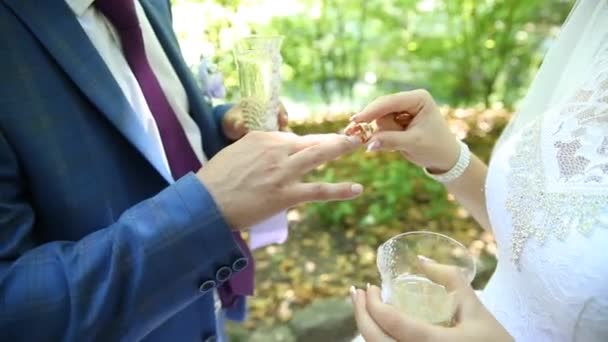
[426, 140]
[380, 322]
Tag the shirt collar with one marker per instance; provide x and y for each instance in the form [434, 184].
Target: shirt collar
[79, 6]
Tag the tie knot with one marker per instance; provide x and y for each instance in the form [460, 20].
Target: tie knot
[121, 13]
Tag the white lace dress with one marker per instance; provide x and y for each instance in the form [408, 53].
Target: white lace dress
[547, 196]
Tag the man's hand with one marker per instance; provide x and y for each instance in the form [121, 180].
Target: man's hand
[260, 174]
[234, 123]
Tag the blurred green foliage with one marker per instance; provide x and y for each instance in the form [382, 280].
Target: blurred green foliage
[395, 189]
[333, 245]
[469, 53]
[465, 52]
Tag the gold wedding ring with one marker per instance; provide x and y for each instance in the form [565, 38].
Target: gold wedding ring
[365, 130]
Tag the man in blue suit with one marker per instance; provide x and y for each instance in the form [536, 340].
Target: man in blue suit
[121, 200]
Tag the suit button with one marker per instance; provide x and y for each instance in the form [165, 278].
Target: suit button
[211, 338]
[223, 274]
[240, 264]
[207, 286]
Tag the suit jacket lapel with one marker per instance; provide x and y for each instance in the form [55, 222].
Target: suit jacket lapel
[56, 27]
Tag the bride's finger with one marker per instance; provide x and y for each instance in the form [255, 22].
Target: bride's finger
[455, 281]
[452, 277]
[398, 326]
[388, 123]
[411, 102]
[370, 331]
[282, 117]
[393, 140]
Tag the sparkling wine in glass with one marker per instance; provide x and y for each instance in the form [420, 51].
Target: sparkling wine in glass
[259, 60]
[406, 287]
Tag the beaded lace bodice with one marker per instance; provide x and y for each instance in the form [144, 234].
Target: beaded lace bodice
[563, 159]
[547, 192]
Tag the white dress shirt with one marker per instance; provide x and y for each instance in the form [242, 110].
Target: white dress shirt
[107, 42]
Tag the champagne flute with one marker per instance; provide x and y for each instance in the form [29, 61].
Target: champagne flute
[258, 60]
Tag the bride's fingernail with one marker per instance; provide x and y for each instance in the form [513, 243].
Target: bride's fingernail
[373, 146]
[353, 139]
[354, 117]
[368, 285]
[353, 293]
[426, 260]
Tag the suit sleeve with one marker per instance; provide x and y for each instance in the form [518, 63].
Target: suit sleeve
[118, 283]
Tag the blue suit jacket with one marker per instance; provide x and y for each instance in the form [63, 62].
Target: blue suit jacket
[94, 242]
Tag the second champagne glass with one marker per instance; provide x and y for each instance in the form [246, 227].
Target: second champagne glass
[405, 286]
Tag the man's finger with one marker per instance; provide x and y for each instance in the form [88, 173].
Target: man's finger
[395, 323]
[283, 117]
[295, 143]
[283, 123]
[370, 331]
[329, 148]
[324, 192]
[411, 102]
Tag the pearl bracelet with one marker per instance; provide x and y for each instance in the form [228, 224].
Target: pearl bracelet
[457, 170]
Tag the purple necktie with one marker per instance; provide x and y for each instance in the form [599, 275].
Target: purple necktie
[181, 157]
